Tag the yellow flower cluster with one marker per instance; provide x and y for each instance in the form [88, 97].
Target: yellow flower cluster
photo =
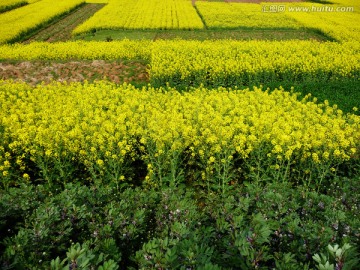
[4, 4]
[235, 15]
[144, 14]
[346, 2]
[125, 49]
[103, 126]
[230, 63]
[333, 20]
[342, 26]
[8, 2]
[216, 63]
[20, 21]
[97, 1]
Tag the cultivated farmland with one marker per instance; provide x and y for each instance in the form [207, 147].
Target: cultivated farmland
[19, 22]
[179, 134]
[143, 14]
[232, 15]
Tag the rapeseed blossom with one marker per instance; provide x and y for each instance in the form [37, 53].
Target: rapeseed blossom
[143, 14]
[229, 63]
[242, 15]
[104, 128]
[91, 50]
[22, 20]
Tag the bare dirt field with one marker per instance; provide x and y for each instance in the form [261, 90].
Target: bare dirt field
[35, 72]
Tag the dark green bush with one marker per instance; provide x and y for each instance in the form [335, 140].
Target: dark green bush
[253, 226]
[109, 222]
[180, 240]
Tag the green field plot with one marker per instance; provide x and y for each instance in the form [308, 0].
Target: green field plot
[203, 34]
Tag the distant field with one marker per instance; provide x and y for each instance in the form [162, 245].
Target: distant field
[119, 19]
[179, 134]
[143, 14]
[61, 30]
[18, 23]
[236, 15]
[342, 26]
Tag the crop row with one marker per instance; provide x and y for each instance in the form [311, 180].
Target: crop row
[144, 14]
[227, 63]
[91, 50]
[330, 20]
[6, 5]
[19, 22]
[170, 14]
[341, 26]
[234, 15]
[105, 132]
[215, 63]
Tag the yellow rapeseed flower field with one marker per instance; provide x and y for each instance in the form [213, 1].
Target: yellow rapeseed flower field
[244, 15]
[97, 1]
[125, 49]
[8, 3]
[215, 63]
[339, 21]
[354, 3]
[143, 14]
[103, 128]
[20, 21]
[240, 62]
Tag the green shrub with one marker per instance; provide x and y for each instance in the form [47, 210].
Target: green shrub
[108, 222]
[180, 241]
[253, 226]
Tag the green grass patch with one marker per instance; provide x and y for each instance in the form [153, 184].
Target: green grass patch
[244, 34]
[206, 34]
[109, 35]
[343, 92]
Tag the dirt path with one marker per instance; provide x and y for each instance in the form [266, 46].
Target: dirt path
[61, 30]
[35, 72]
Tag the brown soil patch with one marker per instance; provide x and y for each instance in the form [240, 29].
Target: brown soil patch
[61, 30]
[36, 72]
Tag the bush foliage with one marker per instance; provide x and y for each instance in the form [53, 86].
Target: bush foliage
[254, 226]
